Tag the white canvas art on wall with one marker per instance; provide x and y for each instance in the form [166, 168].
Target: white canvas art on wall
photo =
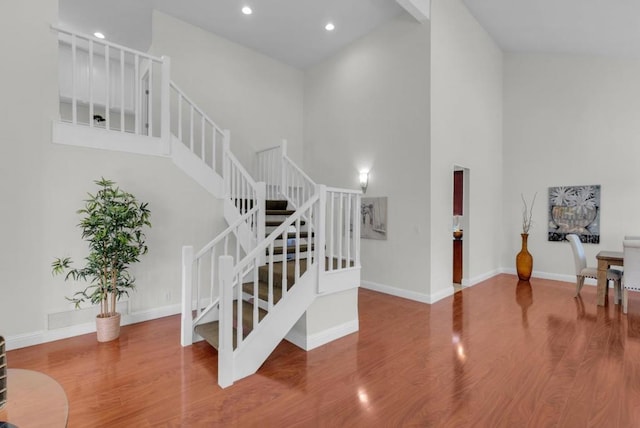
[373, 212]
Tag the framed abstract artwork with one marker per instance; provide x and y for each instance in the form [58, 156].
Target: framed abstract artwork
[373, 212]
[574, 209]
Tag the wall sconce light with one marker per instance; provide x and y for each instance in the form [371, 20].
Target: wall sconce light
[364, 180]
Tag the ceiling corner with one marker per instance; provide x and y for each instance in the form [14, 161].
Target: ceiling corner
[419, 9]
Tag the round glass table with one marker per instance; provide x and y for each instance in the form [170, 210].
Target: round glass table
[34, 400]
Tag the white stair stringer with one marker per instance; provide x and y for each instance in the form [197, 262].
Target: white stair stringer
[195, 168]
[261, 342]
[244, 234]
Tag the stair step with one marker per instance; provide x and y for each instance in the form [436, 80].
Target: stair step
[290, 249]
[280, 212]
[209, 331]
[263, 290]
[292, 235]
[270, 204]
[279, 269]
[263, 280]
[275, 223]
[276, 205]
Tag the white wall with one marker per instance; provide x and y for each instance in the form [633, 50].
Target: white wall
[259, 99]
[28, 84]
[43, 185]
[570, 120]
[368, 107]
[466, 131]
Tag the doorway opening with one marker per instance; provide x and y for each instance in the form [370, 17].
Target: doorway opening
[460, 226]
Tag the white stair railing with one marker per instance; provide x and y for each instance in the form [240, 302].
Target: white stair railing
[269, 170]
[234, 277]
[193, 128]
[108, 86]
[200, 274]
[211, 144]
[342, 222]
[283, 178]
[242, 194]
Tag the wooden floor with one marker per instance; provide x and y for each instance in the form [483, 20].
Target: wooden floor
[500, 354]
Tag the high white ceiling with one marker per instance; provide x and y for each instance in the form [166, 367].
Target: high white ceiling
[291, 31]
[599, 27]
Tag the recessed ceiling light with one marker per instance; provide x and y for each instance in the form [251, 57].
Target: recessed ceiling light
[99, 35]
[247, 10]
[330, 26]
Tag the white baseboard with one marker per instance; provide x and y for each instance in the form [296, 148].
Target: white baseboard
[322, 338]
[480, 278]
[393, 291]
[407, 294]
[44, 336]
[551, 276]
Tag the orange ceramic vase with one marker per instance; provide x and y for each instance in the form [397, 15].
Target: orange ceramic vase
[524, 260]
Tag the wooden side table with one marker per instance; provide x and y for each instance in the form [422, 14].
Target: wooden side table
[34, 400]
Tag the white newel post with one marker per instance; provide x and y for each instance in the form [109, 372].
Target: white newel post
[226, 139]
[261, 196]
[165, 97]
[186, 335]
[320, 237]
[225, 331]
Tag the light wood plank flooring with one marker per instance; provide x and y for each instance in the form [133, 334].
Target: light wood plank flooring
[499, 354]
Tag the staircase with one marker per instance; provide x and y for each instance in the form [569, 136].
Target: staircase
[288, 240]
[276, 214]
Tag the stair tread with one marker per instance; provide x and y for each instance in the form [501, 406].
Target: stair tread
[279, 222]
[293, 234]
[263, 290]
[275, 204]
[209, 331]
[291, 249]
[280, 212]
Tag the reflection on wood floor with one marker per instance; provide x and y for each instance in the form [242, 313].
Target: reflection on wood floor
[499, 354]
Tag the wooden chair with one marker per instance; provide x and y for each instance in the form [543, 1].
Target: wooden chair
[582, 271]
[631, 277]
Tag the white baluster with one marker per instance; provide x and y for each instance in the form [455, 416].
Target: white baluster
[150, 100]
[225, 351]
[121, 90]
[270, 255]
[74, 82]
[91, 112]
[136, 94]
[186, 331]
[191, 129]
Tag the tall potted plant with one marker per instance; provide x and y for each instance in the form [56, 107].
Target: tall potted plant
[112, 224]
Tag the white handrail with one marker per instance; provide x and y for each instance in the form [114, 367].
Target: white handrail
[62, 29]
[198, 132]
[228, 231]
[283, 178]
[278, 232]
[190, 102]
